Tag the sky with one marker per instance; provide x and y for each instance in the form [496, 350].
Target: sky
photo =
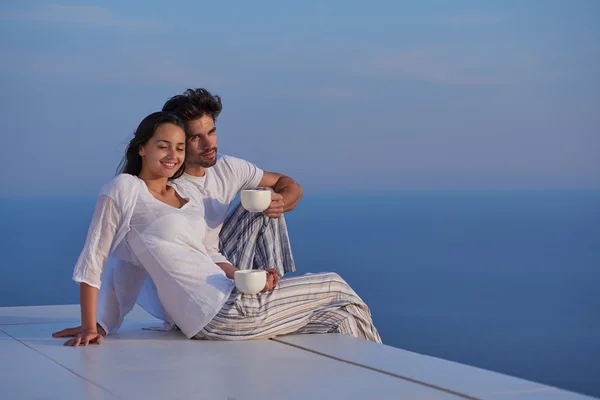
[377, 95]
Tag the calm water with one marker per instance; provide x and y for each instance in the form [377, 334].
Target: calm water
[507, 281]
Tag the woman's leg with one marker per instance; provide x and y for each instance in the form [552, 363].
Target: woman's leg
[341, 321]
[311, 302]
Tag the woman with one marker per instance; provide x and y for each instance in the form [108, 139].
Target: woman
[163, 230]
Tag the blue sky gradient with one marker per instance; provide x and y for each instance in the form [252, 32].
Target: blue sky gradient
[338, 94]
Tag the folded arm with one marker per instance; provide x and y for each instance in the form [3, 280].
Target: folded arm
[289, 191]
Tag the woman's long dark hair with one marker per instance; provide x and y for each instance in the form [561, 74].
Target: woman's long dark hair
[132, 162]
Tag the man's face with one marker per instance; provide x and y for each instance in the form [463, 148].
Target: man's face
[201, 147]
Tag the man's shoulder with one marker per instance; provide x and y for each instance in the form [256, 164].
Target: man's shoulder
[229, 163]
[228, 159]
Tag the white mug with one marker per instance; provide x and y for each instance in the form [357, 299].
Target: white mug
[256, 200]
[250, 281]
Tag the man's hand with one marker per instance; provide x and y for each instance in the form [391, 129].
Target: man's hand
[285, 186]
[276, 207]
[272, 280]
[73, 332]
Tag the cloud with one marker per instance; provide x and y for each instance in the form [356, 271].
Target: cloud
[429, 65]
[89, 16]
[469, 20]
[332, 75]
[137, 66]
[468, 66]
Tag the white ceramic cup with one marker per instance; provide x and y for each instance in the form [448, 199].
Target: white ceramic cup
[250, 281]
[256, 200]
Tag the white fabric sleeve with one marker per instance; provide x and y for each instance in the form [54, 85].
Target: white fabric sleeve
[118, 294]
[247, 174]
[98, 242]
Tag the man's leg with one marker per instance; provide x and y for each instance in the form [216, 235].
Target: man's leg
[309, 303]
[254, 241]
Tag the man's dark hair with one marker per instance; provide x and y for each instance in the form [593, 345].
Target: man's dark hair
[194, 104]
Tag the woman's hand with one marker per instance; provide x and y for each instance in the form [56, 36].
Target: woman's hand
[73, 332]
[81, 336]
[272, 280]
[84, 338]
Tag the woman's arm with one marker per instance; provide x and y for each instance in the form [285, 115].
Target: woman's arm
[87, 332]
[228, 269]
[90, 266]
[88, 298]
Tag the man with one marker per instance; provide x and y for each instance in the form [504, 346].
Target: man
[244, 240]
[240, 240]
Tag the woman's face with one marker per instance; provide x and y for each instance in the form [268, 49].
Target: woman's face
[164, 153]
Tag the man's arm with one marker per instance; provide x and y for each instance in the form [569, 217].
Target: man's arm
[289, 192]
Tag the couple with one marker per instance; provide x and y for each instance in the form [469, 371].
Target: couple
[163, 218]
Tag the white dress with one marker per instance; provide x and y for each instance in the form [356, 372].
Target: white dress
[163, 242]
[215, 191]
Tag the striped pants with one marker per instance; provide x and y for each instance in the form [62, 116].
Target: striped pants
[312, 303]
[253, 241]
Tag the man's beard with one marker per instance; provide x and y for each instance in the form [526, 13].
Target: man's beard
[199, 161]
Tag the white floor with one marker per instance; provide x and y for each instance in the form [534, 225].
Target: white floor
[143, 364]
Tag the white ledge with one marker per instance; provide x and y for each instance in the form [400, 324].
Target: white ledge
[142, 364]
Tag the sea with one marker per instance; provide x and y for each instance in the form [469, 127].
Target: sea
[503, 280]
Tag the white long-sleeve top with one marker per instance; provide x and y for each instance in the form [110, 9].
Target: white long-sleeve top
[155, 240]
[216, 190]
